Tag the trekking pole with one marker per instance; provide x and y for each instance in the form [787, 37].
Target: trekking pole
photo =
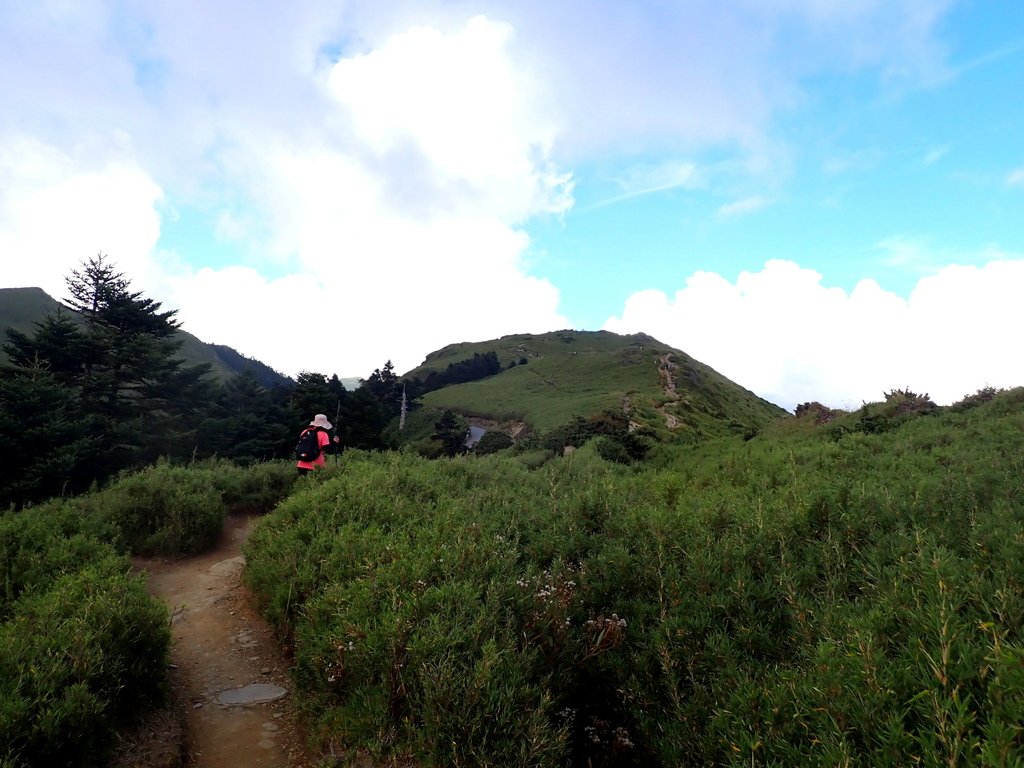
[337, 430]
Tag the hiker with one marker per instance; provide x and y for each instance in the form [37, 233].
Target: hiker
[313, 443]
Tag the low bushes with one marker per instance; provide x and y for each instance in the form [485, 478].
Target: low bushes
[171, 510]
[82, 645]
[791, 601]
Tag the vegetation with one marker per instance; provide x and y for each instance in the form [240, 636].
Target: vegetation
[83, 648]
[795, 599]
[22, 308]
[106, 384]
[696, 582]
[103, 385]
[474, 368]
[577, 373]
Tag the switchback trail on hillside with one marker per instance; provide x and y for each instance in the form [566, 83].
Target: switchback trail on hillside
[232, 703]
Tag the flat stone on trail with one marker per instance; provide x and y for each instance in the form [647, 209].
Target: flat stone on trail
[229, 566]
[256, 693]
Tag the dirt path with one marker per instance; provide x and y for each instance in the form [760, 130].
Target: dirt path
[668, 384]
[219, 644]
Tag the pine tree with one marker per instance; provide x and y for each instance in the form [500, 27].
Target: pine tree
[44, 445]
[143, 397]
[384, 385]
[451, 430]
[58, 343]
[311, 395]
[246, 423]
[115, 373]
[364, 420]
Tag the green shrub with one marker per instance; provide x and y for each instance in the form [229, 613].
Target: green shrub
[77, 659]
[41, 544]
[82, 646]
[162, 509]
[254, 488]
[492, 441]
[788, 600]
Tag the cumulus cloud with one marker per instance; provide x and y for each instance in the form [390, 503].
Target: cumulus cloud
[388, 194]
[783, 334]
[56, 211]
[379, 160]
[459, 104]
[408, 240]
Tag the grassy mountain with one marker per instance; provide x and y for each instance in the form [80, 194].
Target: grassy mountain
[547, 379]
[21, 308]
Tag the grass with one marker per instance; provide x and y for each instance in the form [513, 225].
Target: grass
[575, 373]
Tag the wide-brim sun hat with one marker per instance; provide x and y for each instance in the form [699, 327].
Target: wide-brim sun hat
[320, 420]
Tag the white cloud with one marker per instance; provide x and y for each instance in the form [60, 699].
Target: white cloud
[743, 207]
[387, 190]
[56, 211]
[909, 253]
[783, 334]
[1016, 178]
[650, 178]
[895, 36]
[390, 185]
[407, 240]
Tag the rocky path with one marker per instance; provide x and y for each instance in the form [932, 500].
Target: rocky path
[228, 674]
[668, 384]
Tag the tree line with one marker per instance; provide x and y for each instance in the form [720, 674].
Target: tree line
[101, 389]
[474, 368]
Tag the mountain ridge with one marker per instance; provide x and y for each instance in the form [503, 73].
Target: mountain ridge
[547, 379]
[540, 381]
[22, 308]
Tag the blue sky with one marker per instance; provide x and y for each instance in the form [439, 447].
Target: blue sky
[819, 198]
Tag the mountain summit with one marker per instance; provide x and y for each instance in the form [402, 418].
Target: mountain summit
[545, 380]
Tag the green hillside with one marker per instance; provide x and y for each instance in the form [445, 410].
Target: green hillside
[841, 589]
[21, 308]
[582, 373]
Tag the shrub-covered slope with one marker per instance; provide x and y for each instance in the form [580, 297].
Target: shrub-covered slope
[808, 597]
[83, 647]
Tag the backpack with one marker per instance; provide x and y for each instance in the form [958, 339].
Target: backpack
[308, 447]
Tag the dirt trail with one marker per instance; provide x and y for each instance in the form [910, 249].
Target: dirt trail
[220, 643]
[665, 370]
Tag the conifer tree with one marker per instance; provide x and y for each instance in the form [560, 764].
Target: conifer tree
[364, 420]
[246, 423]
[312, 395]
[451, 431]
[119, 391]
[142, 395]
[384, 385]
[44, 445]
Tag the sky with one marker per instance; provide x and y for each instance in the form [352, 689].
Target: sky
[821, 199]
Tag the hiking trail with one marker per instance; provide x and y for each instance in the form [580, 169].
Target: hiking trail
[231, 697]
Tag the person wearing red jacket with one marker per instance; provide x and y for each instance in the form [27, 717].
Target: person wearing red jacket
[319, 425]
